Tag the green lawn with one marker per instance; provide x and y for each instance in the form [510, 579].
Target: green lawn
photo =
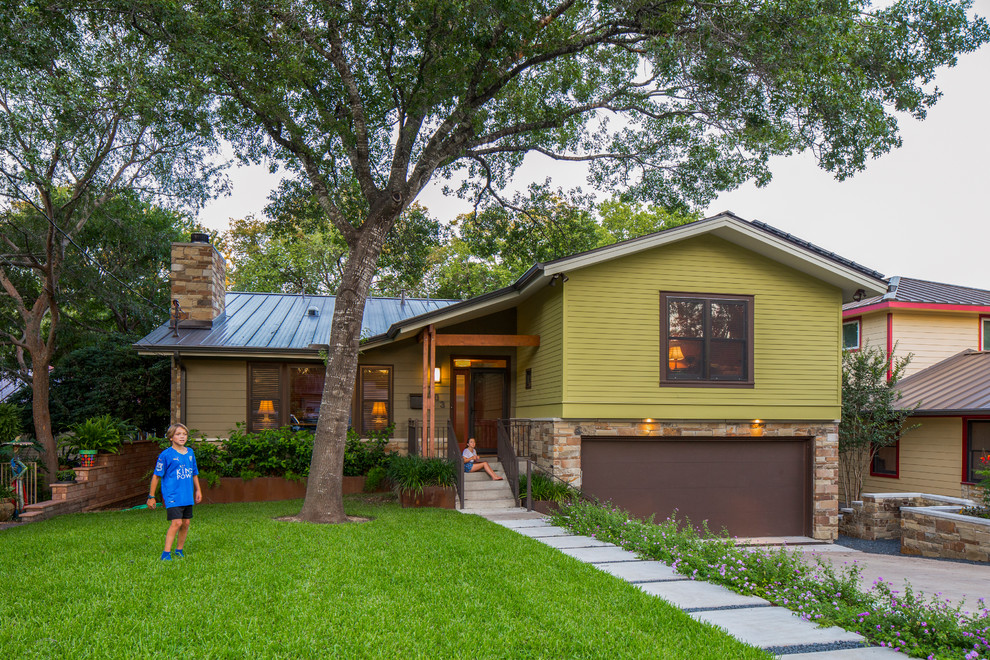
[411, 583]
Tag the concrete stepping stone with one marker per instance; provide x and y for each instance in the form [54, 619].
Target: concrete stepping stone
[561, 542]
[524, 523]
[693, 595]
[641, 571]
[865, 653]
[542, 532]
[773, 626]
[597, 555]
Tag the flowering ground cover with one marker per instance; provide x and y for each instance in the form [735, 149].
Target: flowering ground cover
[903, 621]
[411, 583]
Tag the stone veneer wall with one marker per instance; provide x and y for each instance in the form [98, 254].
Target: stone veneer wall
[878, 515]
[972, 492]
[560, 451]
[939, 532]
[199, 281]
[117, 479]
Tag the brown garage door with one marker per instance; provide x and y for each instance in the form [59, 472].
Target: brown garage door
[750, 487]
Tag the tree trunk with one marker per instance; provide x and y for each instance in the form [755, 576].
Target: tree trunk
[324, 503]
[40, 411]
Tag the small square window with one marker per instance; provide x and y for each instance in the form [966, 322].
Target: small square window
[850, 335]
[885, 461]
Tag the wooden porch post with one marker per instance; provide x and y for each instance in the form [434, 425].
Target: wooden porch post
[427, 402]
[432, 383]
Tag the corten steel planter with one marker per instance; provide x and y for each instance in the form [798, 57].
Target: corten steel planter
[545, 506]
[435, 497]
[259, 489]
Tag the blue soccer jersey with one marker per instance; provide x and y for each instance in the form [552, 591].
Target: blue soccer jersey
[177, 471]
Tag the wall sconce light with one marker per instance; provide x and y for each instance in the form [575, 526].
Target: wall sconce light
[757, 427]
[436, 374]
[675, 356]
[379, 413]
[267, 409]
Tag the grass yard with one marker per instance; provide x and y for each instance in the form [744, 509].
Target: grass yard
[410, 583]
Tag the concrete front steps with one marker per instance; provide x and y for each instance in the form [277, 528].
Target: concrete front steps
[483, 494]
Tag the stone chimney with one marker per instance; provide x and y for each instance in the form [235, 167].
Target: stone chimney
[199, 281]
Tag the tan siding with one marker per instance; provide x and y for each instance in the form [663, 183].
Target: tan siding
[541, 315]
[216, 395]
[930, 460]
[932, 336]
[874, 330]
[612, 336]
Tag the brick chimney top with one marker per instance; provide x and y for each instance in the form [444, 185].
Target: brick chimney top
[199, 281]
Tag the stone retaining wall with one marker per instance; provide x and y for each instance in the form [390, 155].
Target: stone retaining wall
[878, 515]
[116, 479]
[940, 532]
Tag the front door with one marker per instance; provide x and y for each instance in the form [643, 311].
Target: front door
[480, 399]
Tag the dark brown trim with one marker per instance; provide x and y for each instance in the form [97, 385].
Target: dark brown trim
[966, 442]
[747, 383]
[897, 463]
[858, 320]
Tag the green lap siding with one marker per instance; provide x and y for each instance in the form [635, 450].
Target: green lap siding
[611, 320]
[541, 315]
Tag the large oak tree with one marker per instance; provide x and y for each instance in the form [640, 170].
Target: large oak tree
[671, 101]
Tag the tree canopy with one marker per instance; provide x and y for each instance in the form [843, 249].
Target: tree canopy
[669, 102]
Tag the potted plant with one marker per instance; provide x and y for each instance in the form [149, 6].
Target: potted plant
[7, 506]
[102, 433]
[423, 482]
[548, 494]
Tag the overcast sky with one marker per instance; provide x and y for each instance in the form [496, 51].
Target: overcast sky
[920, 211]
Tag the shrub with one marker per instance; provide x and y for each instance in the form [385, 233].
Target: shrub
[11, 425]
[65, 475]
[360, 456]
[375, 479]
[268, 453]
[102, 433]
[547, 488]
[410, 474]
[6, 493]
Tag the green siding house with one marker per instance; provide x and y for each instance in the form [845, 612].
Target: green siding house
[695, 369]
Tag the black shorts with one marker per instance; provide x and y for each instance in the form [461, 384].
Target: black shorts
[179, 512]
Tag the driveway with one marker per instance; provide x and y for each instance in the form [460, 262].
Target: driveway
[954, 581]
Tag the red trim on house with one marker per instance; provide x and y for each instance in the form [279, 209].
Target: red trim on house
[859, 334]
[979, 332]
[890, 345]
[965, 444]
[938, 307]
[897, 464]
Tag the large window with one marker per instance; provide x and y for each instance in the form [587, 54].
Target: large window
[977, 446]
[374, 397]
[707, 340]
[850, 335]
[885, 461]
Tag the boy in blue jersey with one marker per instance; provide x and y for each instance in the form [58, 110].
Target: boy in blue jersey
[176, 467]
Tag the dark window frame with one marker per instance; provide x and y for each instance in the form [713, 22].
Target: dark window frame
[357, 409]
[967, 447]
[984, 332]
[858, 320]
[896, 474]
[749, 381]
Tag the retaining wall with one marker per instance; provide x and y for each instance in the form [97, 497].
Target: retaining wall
[938, 531]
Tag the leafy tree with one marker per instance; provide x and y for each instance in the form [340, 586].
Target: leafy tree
[871, 416]
[668, 101]
[85, 112]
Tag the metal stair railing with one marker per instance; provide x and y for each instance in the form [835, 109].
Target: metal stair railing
[454, 456]
[532, 468]
[507, 457]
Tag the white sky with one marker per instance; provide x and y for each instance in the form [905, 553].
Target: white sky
[916, 212]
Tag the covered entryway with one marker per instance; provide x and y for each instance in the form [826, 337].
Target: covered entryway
[480, 398]
[752, 487]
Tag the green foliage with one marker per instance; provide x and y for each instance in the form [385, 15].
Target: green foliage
[268, 453]
[411, 473]
[872, 415]
[360, 456]
[375, 479]
[65, 475]
[546, 488]
[6, 492]
[982, 510]
[102, 433]
[816, 591]
[11, 425]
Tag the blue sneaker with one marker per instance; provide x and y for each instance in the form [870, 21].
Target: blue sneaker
[166, 556]
[179, 554]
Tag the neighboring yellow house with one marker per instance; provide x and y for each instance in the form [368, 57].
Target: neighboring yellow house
[946, 329]
[697, 368]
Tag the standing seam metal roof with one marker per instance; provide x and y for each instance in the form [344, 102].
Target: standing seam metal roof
[908, 289]
[960, 383]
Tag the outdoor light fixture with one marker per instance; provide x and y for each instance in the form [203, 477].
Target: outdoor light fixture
[267, 409]
[436, 374]
[757, 427]
[676, 357]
